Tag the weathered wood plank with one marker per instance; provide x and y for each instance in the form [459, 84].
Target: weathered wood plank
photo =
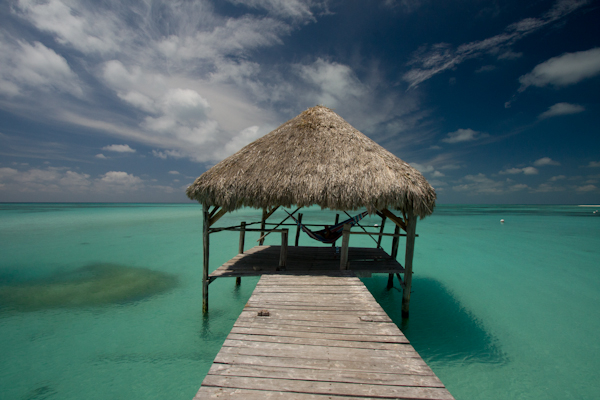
[342, 376]
[261, 349]
[213, 392]
[371, 330]
[320, 341]
[328, 388]
[308, 335]
[414, 366]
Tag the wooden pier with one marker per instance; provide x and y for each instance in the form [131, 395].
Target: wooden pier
[317, 337]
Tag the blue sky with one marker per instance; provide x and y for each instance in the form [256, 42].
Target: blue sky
[493, 101]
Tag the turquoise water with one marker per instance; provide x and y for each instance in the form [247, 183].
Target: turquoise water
[103, 301]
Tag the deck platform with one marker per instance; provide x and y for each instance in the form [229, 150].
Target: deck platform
[317, 337]
[303, 260]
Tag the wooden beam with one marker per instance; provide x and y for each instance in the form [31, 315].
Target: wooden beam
[394, 254]
[213, 211]
[383, 218]
[408, 259]
[298, 230]
[205, 247]
[217, 216]
[238, 280]
[283, 252]
[337, 219]
[265, 215]
[345, 243]
[397, 220]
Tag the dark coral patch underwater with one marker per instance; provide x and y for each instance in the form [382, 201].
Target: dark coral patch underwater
[95, 285]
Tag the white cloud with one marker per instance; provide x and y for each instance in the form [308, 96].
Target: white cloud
[451, 167]
[586, 188]
[437, 174]
[440, 57]
[240, 140]
[333, 83]
[294, 9]
[463, 135]
[545, 161]
[514, 171]
[166, 154]
[120, 178]
[557, 178]
[564, 70]
[481, 184]
[35, 67]
[87, 29]
[423, 168]
[594, 164]
[54, 183]
[174, 172]
[561, 109]
[119, 148]
[101, 156]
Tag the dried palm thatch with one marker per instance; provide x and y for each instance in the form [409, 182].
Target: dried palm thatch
[315, 158]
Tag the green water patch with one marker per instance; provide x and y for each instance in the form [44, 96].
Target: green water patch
[90, 286]
[439, 327]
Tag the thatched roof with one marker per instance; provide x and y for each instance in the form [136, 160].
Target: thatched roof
[315, 158]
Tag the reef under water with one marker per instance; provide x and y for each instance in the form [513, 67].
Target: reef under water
[88, 286]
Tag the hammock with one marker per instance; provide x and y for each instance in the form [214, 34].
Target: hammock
[331, 233]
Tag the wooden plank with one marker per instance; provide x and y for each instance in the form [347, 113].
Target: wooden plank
[334, 334]
[213, 392]
[311, 324]
[376, 331]
[415, 366]
[260, 349]
[328, 388]
[320, 339]
[309, 374]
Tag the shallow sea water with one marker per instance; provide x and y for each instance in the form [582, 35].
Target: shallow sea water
[103, 301]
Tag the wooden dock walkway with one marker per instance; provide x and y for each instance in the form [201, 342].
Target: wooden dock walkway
[317, 337]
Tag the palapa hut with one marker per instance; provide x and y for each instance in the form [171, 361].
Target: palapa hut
[317, 158]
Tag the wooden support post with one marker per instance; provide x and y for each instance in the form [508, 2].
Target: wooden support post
[381, 231]
[262, 227]
[345, 242]
[394, 254]
[390, 283]
[238, 280]
[298, 230]
[395, 243]
[284, 248]
[411, 228]
[337, 219]
[205, 242]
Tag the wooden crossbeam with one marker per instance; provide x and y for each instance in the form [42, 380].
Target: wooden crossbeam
[215, 217]
[397, 220]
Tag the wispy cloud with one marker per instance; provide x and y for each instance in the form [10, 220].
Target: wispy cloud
[525, 170]
[463, 135]
[429, 61]
[561, 109]
[481, 184]
[545, 161]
